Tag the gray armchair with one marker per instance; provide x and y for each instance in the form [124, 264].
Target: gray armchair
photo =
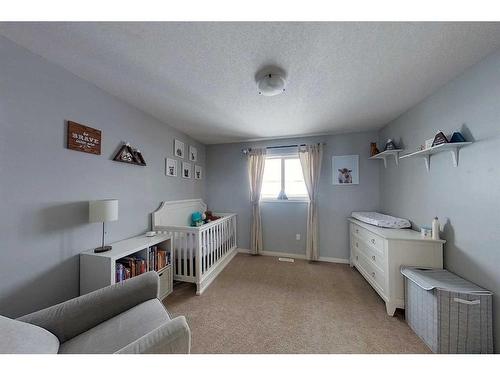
[124, 318]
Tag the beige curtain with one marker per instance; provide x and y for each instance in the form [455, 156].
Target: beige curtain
[310, 159]
[256, 163]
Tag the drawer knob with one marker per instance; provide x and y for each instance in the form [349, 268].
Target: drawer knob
[373, 274]
[357, 244]
[373, 257]
[356, 257]
[357, 230]
[373, 240]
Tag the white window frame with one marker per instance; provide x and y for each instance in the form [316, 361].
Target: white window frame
[290, 199]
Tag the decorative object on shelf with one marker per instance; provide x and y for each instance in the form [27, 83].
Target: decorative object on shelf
[170, 167]
[439, 139]
[100, 212]
[186, 169]
[428, 143]
[129, 155]
[83, 138]
[426, 232]
[198, 175]
[151, 233]
[435, 229]
[373, 149]
[179, 148]
[345, 170]
[193, 153]
[389, 145]
[457, 137]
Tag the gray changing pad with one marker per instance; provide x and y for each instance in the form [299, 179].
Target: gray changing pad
[381, 220]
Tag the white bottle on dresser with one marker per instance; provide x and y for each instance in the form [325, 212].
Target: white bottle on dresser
[435, 229]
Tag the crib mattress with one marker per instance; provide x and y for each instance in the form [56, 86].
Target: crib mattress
[381, 220]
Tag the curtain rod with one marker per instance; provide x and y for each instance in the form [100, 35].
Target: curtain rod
[246, 150]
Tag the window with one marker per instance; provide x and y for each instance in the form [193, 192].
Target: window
[283, 179]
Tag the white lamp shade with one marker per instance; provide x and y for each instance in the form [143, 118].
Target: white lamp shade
[104, 210]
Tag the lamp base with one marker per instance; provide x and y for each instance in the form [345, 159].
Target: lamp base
[102, 249]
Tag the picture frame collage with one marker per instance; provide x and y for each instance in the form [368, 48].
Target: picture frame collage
[189, 169]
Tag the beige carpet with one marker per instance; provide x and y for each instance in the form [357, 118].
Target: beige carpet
[260, 305]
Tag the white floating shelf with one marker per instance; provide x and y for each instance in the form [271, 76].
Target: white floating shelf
[426, 154]
[387, 154]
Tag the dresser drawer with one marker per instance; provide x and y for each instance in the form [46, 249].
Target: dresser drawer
[374, 255]
[370, 238]
[373, 274]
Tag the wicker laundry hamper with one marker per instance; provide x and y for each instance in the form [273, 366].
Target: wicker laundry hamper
[450, 314]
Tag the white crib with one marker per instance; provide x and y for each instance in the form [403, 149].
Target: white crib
[208, 248]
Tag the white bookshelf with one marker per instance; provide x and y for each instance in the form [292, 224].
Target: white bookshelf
[384, 155]
[98, 270]
[426, 153]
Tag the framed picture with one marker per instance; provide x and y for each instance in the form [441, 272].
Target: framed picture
[179, 148]
[198, 172]
[345, 170]
[170, 167]
[193, 153]
[186, 169]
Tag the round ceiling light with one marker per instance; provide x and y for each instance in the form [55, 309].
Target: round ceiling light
[271, 84]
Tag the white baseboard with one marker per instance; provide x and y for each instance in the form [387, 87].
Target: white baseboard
[334, 260]
[295, 256]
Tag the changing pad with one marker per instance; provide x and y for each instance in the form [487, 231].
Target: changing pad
[381, 220]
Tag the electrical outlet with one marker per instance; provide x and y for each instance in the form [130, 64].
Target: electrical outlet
[297, 236]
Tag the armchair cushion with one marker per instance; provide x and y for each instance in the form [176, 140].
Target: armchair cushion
[78, 315]
[119, 331]
[24, 338]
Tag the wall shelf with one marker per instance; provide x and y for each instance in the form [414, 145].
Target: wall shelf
[426, 154]
[387, 154]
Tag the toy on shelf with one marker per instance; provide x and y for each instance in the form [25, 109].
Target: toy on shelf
[373, 149]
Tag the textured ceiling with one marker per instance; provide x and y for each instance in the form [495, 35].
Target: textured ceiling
[199, 77]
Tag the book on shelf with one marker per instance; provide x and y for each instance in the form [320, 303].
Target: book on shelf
[158, 258]
[128, 267]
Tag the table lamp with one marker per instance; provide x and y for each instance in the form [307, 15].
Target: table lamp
[100, 212]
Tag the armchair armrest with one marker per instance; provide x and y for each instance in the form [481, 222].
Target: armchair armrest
[173, 337]
[71, 318]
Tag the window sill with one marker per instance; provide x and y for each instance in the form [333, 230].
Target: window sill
[284, 201]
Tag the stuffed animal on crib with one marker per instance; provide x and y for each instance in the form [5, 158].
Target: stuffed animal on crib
[210, 217]
[197, 219]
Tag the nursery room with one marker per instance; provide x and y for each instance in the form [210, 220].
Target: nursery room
[301, 187]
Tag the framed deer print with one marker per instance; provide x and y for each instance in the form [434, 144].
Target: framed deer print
[345, 170]
[193, 153]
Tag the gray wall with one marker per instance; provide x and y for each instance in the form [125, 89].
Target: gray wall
[467, 198]
[45, 187]
[227, 190]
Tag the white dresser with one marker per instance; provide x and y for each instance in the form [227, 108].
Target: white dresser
[379, 253]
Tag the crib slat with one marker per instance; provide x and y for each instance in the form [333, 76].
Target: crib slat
[184, 253]
[202, 252]
[193, 255]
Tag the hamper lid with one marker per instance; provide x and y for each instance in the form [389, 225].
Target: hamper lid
[436, 278]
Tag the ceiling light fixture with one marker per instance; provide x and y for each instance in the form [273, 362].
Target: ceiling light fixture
[271, 84]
